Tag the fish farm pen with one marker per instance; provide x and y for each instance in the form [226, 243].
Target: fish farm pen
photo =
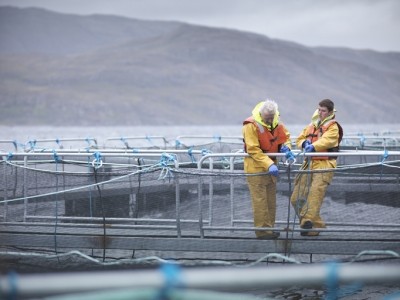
[167, 214]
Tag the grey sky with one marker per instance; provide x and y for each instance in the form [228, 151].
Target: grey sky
[358, 24]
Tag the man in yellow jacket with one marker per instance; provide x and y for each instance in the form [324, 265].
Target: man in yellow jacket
[264, 134]
[323, 134]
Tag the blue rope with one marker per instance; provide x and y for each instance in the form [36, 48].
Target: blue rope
[97, 159]
[362, 141]
[332, 281]
[173, 280]
[166, 158]
[32, 144]
[12, 281]
[290, 156]
[178, 143]
[190, 153]
[204, 152]
[166, 171]
[56, 158]
[9, 156]
[385, 155]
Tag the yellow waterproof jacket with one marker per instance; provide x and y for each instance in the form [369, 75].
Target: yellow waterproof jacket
[258, 161]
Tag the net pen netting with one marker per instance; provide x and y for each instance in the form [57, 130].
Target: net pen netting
[110, 205]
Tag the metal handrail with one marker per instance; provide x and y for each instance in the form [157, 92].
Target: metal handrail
[204, 224]
[147, 138]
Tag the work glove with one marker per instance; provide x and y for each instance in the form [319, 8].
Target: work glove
[309, 148]
[305, 144]
[289, 154]
[273, 170]
[284, 149]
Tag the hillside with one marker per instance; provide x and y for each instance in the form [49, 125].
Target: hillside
[63, 69]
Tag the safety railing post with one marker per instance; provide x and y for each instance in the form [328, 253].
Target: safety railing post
[25, 188]
[200, 195]
[232, 190]
[178, 207]
[5, 193]
[211, 190]
[211, 199]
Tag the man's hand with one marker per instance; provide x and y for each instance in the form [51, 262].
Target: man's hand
[289, 154]
[309, 148]
[306, 143]
[285, 149]
[273, 170]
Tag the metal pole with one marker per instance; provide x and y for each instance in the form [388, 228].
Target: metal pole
[25, 188]
[234, 279]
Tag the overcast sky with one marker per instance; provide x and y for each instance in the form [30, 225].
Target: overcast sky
[358, 24]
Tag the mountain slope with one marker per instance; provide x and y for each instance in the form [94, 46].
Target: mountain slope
[131, 72]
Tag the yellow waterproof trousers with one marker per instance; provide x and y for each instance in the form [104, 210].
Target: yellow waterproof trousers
[308, 194]
[263, 197]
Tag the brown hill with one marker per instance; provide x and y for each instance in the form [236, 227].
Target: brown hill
[106, 70]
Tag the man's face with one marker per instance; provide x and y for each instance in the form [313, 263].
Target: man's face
[323, 112]
[268, 118]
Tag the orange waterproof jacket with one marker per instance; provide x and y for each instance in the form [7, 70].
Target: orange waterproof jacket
[314, 134]
[270, 141]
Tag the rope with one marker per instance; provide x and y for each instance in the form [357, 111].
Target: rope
[204, 152]
[385, 155]
[178, 144]
[56, 158]
[160, 260]
[332, 281]
[97, 162]
[9, 156]
[32, 144]
[164, 163]
[190, 153]
[13, 283]
[166, 171]
[173, 280]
